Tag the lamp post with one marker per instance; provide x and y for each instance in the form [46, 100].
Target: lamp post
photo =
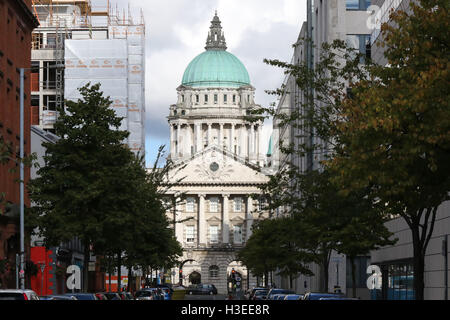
[22, 207]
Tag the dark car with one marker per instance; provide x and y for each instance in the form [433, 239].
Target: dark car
[322, 295]
[126, 296]
[101, 296]
[252, 292]
[82, 296]
[260, 294]
[275, 291]
[202, 289]
[147, 294]
[112, 295]
[57, 297]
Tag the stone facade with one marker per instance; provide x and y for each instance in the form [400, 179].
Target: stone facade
[217, 166]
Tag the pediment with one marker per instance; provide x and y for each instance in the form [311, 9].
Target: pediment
[237, 219]
[215, 166]
[213, 219]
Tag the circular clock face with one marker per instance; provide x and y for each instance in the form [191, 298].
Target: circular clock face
[214, 166]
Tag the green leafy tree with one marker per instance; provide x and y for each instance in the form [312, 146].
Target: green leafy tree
[394, 132]
[73, 191]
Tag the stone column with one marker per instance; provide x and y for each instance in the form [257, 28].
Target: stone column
[201, 235]
[258, 142]
[198, 137]
[232, 138]
[225, 219]
[251, 141]
[209, 134]
[249, 217]
[178, 144]
[172, 141]
[221, 136]
[241, 141]
[177, 217]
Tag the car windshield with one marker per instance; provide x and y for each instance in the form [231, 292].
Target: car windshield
[84, 297]
[261, 292]
[11, 296]
[143, 294]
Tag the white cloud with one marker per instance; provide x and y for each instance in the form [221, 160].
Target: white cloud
[176, 32]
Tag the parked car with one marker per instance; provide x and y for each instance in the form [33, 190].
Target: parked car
[274, 291]
[337, 298]
[13, 294]
[165, 286]
[320, 295]
[260, 294]
[112, 295]
[253, 290]
[202, 289]
[101, 296]
[57, 297]
[126, 296]
[147, 294]
[293, 297]
[82, 296]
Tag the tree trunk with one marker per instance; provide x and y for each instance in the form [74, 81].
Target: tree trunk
[418, 263]
[130, 280]
[109, 273]
[352, 261]
[119, 272]
[86, 267]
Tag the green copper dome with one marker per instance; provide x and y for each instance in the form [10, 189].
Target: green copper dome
[216, 67]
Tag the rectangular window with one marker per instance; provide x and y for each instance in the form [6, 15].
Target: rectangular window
[51, 41]
[214, 204]
[237, 231]
[190, 204]
[237, 204]
[49, 75]
[35, 101]
[360, 42]
[224, 98]
[197, 98]
[234, 98]
[357, 4]
[182, 98]
[206, 98]
[216, 98]
[190, 234]
[214, 234]
[49, 102]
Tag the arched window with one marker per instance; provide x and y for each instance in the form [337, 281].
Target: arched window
[213, 271]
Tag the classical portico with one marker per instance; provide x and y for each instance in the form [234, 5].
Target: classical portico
[218, 151]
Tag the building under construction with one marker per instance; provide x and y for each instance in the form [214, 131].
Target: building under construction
[81, 41]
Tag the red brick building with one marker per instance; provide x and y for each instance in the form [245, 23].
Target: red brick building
[16, 25]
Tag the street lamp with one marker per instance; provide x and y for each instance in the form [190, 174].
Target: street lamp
[22, 226]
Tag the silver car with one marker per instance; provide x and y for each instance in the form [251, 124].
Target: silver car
[15, 294]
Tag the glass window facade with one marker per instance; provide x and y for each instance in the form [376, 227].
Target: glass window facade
[397, 282]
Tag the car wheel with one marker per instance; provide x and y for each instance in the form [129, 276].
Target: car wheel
[211, 293]
[190, 292]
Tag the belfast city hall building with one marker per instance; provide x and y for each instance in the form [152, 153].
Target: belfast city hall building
[218, 166]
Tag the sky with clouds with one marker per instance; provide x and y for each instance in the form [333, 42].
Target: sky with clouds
[176, 32]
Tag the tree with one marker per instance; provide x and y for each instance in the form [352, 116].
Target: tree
[73, 190]
[394, 133]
